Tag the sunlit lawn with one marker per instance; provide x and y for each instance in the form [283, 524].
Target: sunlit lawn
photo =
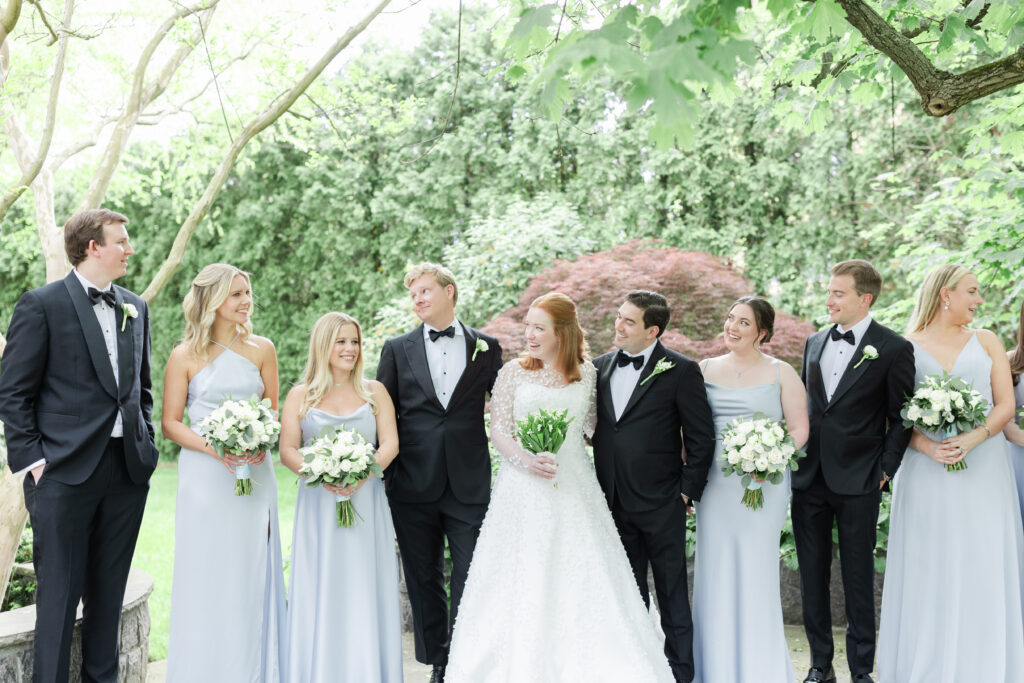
[155, 551]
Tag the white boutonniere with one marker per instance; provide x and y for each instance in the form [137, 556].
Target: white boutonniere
[129, 312]
[659, 367]
[869, 353]
[481, 345]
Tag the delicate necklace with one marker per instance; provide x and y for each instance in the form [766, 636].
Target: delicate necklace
[752, 365]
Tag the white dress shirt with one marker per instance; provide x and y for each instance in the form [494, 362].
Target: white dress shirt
[446, 359]
[836, 356]
[624, 379]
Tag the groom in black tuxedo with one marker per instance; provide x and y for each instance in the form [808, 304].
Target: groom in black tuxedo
[857, 374]
[439, 485]
[75, 400]
[646, 394]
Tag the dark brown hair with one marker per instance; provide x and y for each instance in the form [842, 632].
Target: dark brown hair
[764, 315]
[84, 227]
[572, 343]
[866, 278]
[654, 306]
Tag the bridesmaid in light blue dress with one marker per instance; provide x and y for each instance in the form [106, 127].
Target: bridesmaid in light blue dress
[952, 603]
[737, 609]
[227, 595]
[344, 619]
[1012, 431]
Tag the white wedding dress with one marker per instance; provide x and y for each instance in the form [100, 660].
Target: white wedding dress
[550, 595]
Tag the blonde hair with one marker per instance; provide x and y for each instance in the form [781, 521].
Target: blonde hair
[928, 299]
[317, 376]
[572, 343]
[210, 289]
[443, 276]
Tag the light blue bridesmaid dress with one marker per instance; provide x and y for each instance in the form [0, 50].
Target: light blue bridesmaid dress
[952, 601]
[1017, 452]
[344, 620]
[227, 595]
[738, 633]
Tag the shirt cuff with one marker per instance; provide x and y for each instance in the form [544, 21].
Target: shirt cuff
[37, 463]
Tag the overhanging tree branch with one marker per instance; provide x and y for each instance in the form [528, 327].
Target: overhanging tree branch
[30, 165]
[941, 92]
[137, 100]
[269, 115]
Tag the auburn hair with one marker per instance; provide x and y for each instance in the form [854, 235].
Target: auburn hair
[572, 342]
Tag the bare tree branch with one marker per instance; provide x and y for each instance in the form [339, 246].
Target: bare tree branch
[941, 92]
[30, 165]
[269, 115]
[455, 89]
[136, 102]
[9, 18]
[46, 22]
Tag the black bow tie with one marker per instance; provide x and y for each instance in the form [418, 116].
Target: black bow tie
[446, 332]
[845, 336]
[623, 359]
[95, 296]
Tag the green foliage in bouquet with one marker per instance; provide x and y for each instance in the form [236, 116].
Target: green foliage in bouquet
[544, 431]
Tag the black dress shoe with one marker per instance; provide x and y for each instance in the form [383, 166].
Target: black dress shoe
[863, 678]
[819, 675]
[437, 675]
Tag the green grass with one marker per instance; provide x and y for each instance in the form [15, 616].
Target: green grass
[154, 553]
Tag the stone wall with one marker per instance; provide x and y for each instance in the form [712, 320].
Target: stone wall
[17, 635]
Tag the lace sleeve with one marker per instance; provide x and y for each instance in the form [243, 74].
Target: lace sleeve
[590, 382]
[503, 423]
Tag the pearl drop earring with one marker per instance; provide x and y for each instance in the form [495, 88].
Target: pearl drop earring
[947, 305]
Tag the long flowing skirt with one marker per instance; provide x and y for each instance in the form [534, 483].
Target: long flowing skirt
[227, 595]
[344, 619]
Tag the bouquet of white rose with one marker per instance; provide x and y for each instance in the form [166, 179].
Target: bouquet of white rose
[341, 457]
[544, 431]
[946, 405]
[758, 449]
[241, 427]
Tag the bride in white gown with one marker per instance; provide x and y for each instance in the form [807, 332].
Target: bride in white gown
[550, 595]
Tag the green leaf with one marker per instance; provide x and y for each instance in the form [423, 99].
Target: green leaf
[515, 72]
[531, 31]
[1013, 143]
[953, 28]
[866, 93]
[825, 20]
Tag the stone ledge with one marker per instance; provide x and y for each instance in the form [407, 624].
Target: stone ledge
[17, 635]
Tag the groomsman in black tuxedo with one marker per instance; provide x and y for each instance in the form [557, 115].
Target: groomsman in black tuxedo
[440, 484]
[75, 400]
[857, 375]
[650, 400]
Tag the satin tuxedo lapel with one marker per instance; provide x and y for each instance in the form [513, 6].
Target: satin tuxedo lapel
[125, 347]
[93, 335]
[815, 381]
[852, 374]
[416, 352]
[472, 367]
[642, 385]
[604, 388]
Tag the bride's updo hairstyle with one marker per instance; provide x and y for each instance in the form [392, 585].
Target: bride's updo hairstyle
[209, 290]
[317, 376]
[764, 315]
[572, 343]
[928, 297]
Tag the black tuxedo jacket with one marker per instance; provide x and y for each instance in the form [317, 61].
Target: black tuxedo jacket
[639, 456]
[58, 397]
[438, 446]
[859, 433]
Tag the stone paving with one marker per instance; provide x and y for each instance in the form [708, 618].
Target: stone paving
[419, 673]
